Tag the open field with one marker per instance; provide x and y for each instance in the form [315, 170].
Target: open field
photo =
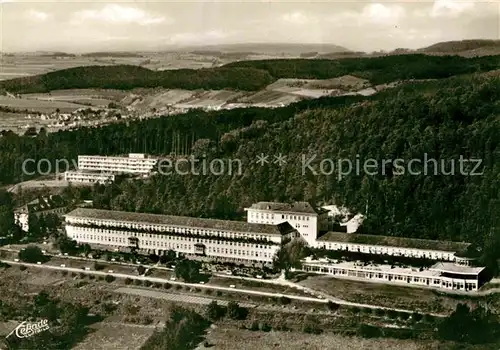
[230, 338]
[418, 299]
[115, 336]
[38, 105]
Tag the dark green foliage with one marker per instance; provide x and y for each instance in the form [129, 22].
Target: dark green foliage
[214, 311]
[67, 324]
[32, 254]
[182, 331]
[235, 311]
[378, 70]
[188, 270]
[128, 280]
[126, 77]
[369, 331]
[109, 278]
[471, 326]
[141, 270]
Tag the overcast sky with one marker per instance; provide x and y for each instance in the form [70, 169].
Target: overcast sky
[360, 25]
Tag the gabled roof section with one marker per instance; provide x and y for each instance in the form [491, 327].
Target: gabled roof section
[295, 207]
[389, 241]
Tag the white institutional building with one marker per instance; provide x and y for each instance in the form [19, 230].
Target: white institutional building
[88, 177]
[268, 226]
[308, 221]
[236, 241]
[135, 163]
[102, 169]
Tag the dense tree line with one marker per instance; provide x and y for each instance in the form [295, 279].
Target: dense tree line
[377, 70]
[253, 75]
[126, 77]
[443, 119]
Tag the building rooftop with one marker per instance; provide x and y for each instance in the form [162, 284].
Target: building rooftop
[43, 203]
[390, 241]
[296, 207]
[183, 221]
[458, 269]
[375, 268]
[435, 270]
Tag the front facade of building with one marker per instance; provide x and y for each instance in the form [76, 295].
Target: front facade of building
[135, 163]
[88, 177]
[308, 221]
[216, 239]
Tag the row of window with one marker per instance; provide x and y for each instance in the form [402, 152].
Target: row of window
[141, 226]
[268, 216]
[389, 250]
[362, 274]
[162, 241]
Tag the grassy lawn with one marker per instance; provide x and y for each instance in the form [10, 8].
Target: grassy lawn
[229, 338]
[115, 336]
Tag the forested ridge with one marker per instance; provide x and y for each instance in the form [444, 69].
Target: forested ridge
[444, 119]
[254, 75]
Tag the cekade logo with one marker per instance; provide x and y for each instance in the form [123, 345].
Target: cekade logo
[28, 329]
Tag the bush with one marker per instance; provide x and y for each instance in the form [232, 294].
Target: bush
[64, 273]
[311, 328]
[98, 267]
[368, 331]
[235, 311]
[167, 286]
[141, 269]
[138, 282]
[147, 283]
[264, 327]
[101, 278]
[32, 255]
[73, 274]
[332, 306]
[284, 300]
[178, 286]
[109, 278]
[367, 310]
[22, 267]
[128, 280]
[392, 314]
[403, 315]
[157, 285]
[82, 275]
[429, 318]
[91, 277]
[254, 326]
[380, 312]
[416, 317]
[355, 310]
[214, 311]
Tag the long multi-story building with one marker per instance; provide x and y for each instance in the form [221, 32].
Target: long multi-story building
[135, 163]
[88, 177]
[268, 226]
[308, 220]
[236, 241]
